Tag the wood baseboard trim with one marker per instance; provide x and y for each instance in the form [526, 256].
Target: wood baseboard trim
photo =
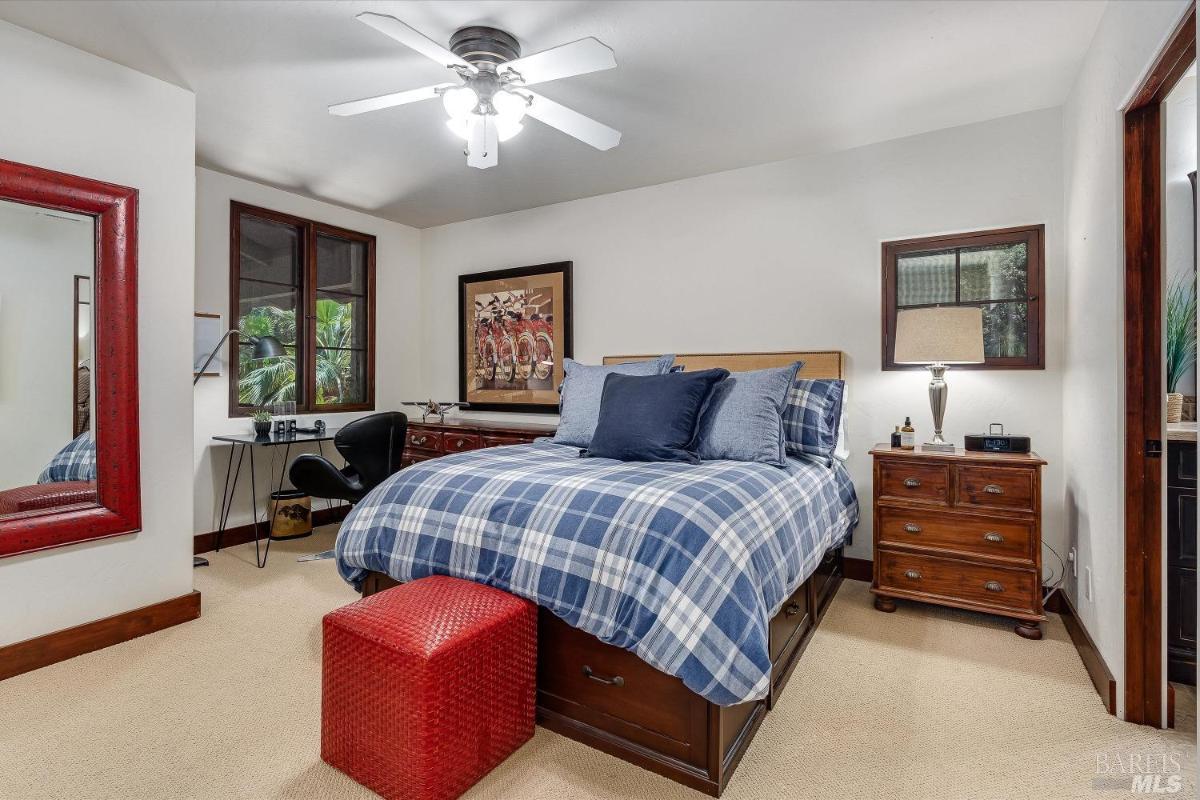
[858, 569]
[1102, 679]
[207, 542]
[42, 651]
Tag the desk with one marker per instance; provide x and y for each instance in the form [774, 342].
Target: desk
[240, 444]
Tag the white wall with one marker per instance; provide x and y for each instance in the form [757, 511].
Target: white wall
[1179, 221]
[73, 112]
[786, 256]
[40, 255]
[397, 340]
[1129, 36]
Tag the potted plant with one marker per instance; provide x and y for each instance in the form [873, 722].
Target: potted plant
[262, 423]
[1181, 338]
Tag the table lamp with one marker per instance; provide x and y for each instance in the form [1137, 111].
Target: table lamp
[939, 337]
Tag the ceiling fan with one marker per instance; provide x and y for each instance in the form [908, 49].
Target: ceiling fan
[487, 107]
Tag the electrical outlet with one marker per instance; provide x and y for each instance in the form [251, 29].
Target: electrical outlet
[1087, 582]
[1073, 557]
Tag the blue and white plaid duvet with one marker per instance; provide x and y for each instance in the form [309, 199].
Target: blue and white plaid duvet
[683, 565]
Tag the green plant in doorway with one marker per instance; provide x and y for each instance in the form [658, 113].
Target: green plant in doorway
[1181, 328]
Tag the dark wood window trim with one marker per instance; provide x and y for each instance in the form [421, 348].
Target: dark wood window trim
[305, 331]
[1035, 238]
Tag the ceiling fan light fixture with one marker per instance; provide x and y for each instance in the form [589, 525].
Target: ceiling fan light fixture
[491, 102]
[459, 127]
[459, 101]
[509, 105]
[506, 128]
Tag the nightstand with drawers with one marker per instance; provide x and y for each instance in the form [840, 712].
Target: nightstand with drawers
[961, 529]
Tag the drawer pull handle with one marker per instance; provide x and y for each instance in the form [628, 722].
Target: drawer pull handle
[912, 483]
[459, 443]
[994, 586]
[992, 536]
[992, 488]
[792, 610]
[616, 680]
[912, 575]
[912, 528]
[420, 439]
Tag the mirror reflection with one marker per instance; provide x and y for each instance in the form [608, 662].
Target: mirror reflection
[47, 262]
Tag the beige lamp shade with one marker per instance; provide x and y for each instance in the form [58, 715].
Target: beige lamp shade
[946, 335]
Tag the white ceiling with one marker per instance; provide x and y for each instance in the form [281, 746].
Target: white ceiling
[699, 86]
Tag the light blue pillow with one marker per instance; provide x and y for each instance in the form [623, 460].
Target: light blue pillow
[579, 403]
[812, 416]
[744, 417]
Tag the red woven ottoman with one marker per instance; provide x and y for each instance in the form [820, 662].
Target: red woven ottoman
[427, 686]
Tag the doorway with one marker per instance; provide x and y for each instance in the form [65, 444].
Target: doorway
[1147, 699]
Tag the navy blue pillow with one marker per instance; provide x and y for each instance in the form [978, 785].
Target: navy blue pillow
[652, 417]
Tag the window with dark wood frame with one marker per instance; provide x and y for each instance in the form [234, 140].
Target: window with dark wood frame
[312, 287]
[1000, 271]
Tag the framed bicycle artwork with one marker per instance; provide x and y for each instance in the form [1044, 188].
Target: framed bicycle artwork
[514, 328]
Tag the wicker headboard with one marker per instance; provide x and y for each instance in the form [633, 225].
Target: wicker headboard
[817, 363]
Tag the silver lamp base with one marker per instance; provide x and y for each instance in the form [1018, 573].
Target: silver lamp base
[937, 404]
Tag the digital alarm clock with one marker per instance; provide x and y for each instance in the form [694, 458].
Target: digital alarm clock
[993, 442]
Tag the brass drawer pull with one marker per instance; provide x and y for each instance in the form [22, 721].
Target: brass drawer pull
[912, 575]
[616, 680]
[992, 536]
[420, 439]
[994, 586]
[459, 443]
[912, 483]
[992, 488]
[912, 528]
[792, 610]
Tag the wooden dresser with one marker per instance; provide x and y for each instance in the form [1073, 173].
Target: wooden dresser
[432, 439]
[960, 529]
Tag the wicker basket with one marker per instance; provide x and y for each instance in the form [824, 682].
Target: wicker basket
[1174, 407]
[291, 514]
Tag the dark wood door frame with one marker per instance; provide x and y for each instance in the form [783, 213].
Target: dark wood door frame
[1144, 396]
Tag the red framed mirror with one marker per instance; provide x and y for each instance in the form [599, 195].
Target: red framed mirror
[44, 219]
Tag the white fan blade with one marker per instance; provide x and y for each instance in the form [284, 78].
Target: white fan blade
[577, 58]
[572, 123]
[483, 146]
[387, 100]
[411, 37]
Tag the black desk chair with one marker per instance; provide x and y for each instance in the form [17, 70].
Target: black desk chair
[372, 447]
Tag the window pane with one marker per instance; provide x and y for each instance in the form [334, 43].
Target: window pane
[342, 325]
[270, 251]
[262, 382]
[925, 278]
[994, 272]
[268, 296]
[341, 265]
[341, 376]
[1006, 330]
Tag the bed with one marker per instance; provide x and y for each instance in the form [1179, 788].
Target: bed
[675, 599]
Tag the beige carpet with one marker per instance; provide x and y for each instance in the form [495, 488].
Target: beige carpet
[923, 703]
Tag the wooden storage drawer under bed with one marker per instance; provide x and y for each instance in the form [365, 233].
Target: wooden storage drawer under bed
[610, 699]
